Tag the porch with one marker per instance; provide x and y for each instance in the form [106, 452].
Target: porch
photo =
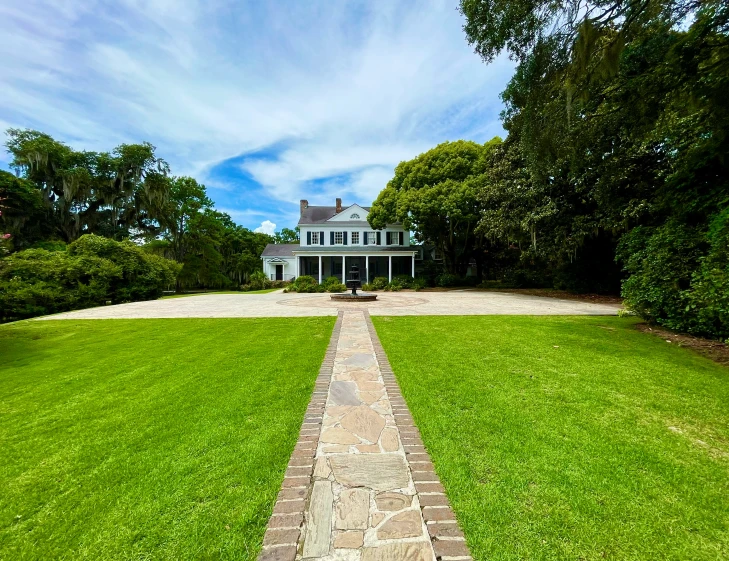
[323, 266]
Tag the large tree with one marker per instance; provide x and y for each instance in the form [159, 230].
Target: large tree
[435, 195]
[107, 193]
[617, 111]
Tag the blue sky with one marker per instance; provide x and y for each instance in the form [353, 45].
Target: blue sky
[264, 102]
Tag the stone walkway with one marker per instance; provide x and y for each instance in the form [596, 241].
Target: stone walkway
[360, 485]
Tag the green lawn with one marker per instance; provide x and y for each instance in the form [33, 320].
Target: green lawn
[149, 439]
[569, 438]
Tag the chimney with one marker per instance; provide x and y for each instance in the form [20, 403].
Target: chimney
[339, 206]
[303, 204]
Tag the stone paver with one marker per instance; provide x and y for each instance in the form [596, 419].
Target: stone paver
[367, 464]
[277, 304]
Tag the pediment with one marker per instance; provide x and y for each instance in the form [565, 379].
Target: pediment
[353, 213]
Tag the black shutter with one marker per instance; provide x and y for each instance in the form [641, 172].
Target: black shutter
[401, 238]
[379, 238]
[365, 237]
[321, 238]
[344, 238]
[308, 238]
[331, 238]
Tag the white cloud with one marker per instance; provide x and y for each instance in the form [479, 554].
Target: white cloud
[266, 227]
[345, 88]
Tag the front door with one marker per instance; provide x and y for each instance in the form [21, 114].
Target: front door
[279, 272]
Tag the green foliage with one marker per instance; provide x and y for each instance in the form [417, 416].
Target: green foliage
[379, 283]
[106, 193]
[287, 235]
[92, 271]
[419, 283]
[446, 280]
[680, 276]
[436, 195]
[403, 281]
[24, 215]
[332, 284]
[305, 283]
[617, 123]
[258, 281]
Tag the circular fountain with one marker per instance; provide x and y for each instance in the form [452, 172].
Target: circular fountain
[354, 282]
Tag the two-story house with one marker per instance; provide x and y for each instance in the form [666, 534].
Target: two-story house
[333, 238]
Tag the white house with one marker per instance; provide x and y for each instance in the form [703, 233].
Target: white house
[334, 238]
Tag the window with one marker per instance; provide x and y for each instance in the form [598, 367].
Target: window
[355, 238]
[338, 238]
[354, 216]
[393, 238]
[315, 238]
[371, 238]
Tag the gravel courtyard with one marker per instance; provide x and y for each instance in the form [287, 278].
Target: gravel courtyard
[278, 304]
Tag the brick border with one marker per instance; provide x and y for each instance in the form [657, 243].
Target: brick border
[284, 527]
[446, 536]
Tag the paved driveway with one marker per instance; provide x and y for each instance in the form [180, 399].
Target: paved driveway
[278, 304]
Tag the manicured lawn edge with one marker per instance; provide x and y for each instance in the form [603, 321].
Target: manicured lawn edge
[165, 439]
[569, 437]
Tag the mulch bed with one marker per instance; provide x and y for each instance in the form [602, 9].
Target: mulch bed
[714, 350]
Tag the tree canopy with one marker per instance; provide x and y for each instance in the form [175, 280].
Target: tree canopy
[61, 195]
[617, 146]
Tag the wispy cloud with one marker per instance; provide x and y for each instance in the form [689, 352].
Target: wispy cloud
[265, 102]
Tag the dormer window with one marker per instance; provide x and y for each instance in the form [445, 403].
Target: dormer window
[354, 216]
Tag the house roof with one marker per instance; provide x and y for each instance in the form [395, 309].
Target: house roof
[280, 250]
[320, 214]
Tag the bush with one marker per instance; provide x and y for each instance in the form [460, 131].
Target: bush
[679, 276]
[368, 287]
[304, 284]
[402, 281]
[92, 271]
[257, 281]
[419, 283]
[332, 284]
[379, 283]
[446, 280]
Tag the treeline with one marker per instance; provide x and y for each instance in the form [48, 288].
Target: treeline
[614, 174]
[83, 228]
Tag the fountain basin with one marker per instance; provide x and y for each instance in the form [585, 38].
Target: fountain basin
[347, 297]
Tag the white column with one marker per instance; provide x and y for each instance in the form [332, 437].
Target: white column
[297, 265]
[367, 268]
[389, 268]
[413, 265]
[344, 270]
[320, 269]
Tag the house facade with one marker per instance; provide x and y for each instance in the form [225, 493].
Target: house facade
[333, 238]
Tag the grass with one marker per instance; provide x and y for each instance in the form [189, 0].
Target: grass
[569, 438]
[264, 291]
[149, 439]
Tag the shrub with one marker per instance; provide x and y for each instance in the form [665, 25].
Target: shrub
[332, 284]
[446, 280]
[368, 287]
[304, 284]
[660, 262]
[402, 281]
[419, 283]
[258, 281]
[379, 283]
[92, 271]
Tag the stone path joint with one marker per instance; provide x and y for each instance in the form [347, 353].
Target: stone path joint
[360, 485]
